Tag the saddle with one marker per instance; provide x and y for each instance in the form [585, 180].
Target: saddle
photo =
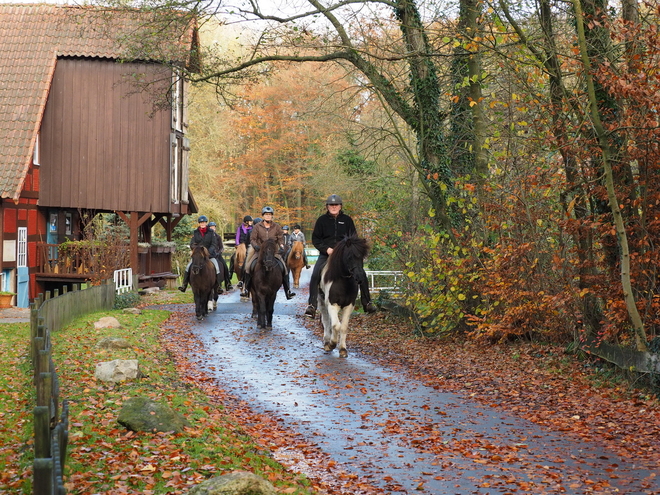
[279, 260]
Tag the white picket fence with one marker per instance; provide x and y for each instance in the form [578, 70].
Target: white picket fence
[387, 280]
[123, 280]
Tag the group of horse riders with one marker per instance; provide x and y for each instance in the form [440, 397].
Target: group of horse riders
[329, 229]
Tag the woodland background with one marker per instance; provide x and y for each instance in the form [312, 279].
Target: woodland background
[502, 154]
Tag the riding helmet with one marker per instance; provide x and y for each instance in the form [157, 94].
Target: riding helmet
[212, 224]
[286, 227]
[202, 218]
[247, 218]
[257, 220]
[333, 199]
[296, 227]
[267, 209]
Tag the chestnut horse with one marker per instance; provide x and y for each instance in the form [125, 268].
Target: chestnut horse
[237, 262]
[266, 281]
[202, 281]
[295, 261]
[340, 279]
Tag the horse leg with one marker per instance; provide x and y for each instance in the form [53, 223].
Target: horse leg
[330, 323]
[198, 307]
[344, 316]
[210, 305]
[270, 304]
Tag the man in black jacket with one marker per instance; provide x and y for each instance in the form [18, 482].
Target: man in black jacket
[329, 229]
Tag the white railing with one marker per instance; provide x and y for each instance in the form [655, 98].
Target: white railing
[123, 280]
[384, 280]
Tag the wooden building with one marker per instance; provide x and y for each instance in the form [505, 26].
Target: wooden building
[83, 136]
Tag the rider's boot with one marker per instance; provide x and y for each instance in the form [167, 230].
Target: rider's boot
[186, 281]
[287, 288]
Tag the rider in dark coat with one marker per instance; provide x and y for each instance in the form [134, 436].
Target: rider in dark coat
[330, 228]
[201, 238]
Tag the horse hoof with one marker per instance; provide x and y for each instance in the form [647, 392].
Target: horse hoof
[329, 346]
[200, 318]
[343, 353]
[269, 327]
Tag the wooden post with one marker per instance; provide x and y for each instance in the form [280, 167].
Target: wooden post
[41, 432]
[42, 482]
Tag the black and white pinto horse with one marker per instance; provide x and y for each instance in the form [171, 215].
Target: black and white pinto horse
[202, 282]
[338, 289]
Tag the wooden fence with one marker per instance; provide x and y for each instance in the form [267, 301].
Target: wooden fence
[51, 421]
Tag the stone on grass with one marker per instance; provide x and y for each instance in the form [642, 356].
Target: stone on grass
[132, 311]
[112, 343]
[144, 414]
[107, 322]
[118, 370]
[236, 483]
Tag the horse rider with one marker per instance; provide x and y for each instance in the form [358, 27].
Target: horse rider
[286, 235]
[243, 231]
[329, 229]
[299, 236]
[201, 237]
[242, 237]
[261, 232]
[219, 246]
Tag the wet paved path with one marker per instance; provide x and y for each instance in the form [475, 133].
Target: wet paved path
[399, 435]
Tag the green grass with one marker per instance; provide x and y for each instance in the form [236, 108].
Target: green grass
[103, 457]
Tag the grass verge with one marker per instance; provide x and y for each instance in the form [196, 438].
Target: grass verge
[104, 457]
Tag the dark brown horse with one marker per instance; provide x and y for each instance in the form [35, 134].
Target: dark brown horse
[340, 279]
[266, 281]
[295, 261]
[202, 281]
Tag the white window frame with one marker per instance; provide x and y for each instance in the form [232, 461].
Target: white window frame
[21, 247]
[36, 158]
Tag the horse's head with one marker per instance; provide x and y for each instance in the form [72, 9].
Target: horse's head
[352, 251]
[200, 256]
[267, 254]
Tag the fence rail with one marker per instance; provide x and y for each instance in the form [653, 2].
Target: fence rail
[51, 428]
[123, 280]
[380, 280]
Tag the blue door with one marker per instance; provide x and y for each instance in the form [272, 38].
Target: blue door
[22, 272]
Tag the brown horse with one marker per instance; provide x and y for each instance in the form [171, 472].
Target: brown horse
[295, 261]
[266, 281]
[237, 262]
[202, 281]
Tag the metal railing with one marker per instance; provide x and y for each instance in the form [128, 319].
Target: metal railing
[384, 280]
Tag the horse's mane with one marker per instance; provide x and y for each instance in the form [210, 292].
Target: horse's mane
[353, 246]
[201, 249]
[270, 246]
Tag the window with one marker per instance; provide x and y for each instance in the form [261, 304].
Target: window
[21, 248]
[35, 154]
[67, 223]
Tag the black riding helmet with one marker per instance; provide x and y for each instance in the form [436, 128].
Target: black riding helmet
[247, 218]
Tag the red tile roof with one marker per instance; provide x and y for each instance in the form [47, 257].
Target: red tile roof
[31, 39]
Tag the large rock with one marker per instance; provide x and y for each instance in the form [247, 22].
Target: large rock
[132, 311]
[236, 483]
[107, 322]
[143, 414]
[118, 370]
[113, 343]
